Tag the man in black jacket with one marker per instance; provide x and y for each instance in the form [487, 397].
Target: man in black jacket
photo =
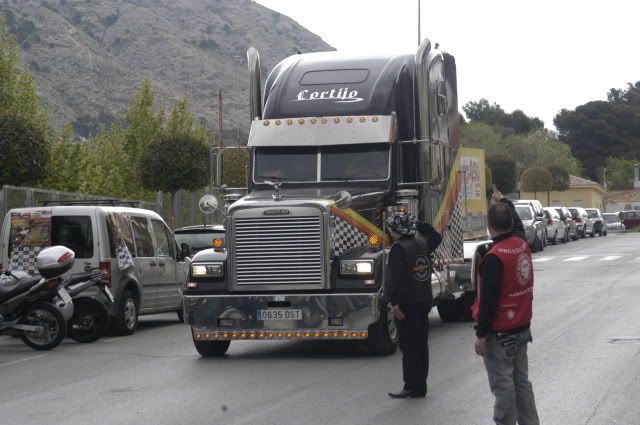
[409, 268]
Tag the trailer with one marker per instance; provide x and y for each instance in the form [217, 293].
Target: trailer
[337, 144]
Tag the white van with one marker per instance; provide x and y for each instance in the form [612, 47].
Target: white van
[144, 265]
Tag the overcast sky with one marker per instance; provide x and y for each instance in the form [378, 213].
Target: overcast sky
[538, 56]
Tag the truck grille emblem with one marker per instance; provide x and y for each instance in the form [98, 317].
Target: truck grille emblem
[276, 212]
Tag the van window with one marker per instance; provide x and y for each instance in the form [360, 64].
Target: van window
[165, 246]
[74, 232]
[119, 231]
[142, 237]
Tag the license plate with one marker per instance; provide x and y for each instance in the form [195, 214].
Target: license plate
[108, 293]
[279, 314]
[64, 295]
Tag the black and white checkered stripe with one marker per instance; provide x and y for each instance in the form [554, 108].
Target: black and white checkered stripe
[346, 236]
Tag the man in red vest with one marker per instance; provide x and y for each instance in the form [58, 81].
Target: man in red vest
[503, 313]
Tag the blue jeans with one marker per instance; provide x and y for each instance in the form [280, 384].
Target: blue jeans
[508, 370]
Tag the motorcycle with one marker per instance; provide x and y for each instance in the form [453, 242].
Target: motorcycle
[36, 308]
[90, 320]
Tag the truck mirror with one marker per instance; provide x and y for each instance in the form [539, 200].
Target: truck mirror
[185, 251]
[343, 199]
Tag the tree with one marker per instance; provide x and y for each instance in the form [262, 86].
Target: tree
[144, 125]
[24, 151]
[18, 91]
[492, 114]
[536, 179]
[174, 163]
[67, 163]
[619, 174]
[560, 177]
[611, 126]
[503, 173]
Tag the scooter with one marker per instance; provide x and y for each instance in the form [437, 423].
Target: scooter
[90, 320]
[36, 308]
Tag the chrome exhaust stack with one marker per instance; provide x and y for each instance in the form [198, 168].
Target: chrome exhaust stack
[255, 89]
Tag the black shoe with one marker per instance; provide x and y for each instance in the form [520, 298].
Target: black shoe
[401, 394]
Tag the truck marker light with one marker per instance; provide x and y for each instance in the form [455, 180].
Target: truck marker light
[225, 335]
[289, 122]
[335, 334]
[289, 334]
[207, 335]
[265, 123]
[261, 335]
[307, 334]
[243, 335]
[234, 335]
[349, 120]
[298, 334]
[325, 334]
[216, 335]
[363, 334]
[363, 119]
[313, 120]
[270, 334]
[301, 121]
[336, 120]
[279, 334]
[197, 335]
[345, 334]
[354, 334]
[252, 335]
[278, 122]
[375, 119]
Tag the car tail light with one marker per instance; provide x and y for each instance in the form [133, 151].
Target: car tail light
[578, 220]
[105, 266]
[549, 221]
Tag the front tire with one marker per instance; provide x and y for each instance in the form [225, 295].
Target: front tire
[125, 321]
[211, 348]
[383, 334]
[90, 320]
[554, 241]
[50, 319]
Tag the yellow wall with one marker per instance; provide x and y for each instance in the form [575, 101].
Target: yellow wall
[586, 197]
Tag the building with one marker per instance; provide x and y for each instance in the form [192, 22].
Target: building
[622, 200]
[581, 193]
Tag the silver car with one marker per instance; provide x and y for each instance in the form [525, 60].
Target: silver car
[614, 224]
[556, 228]
[572, 228]
[532, 224]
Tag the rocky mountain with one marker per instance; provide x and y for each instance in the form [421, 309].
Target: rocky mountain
[89, 56]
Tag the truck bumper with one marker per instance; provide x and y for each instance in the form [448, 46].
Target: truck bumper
[326, 316]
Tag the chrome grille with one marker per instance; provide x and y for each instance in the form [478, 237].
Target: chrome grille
[278, 250]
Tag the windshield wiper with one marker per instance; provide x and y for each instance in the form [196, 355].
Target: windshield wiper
[340, 179]
[282, 179]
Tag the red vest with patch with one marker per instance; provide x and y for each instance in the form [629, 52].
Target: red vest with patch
[514, 308]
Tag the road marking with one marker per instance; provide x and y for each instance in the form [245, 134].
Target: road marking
[611, 257]
[576, 258]
[542, 259]
[637, 259]
[26, 359]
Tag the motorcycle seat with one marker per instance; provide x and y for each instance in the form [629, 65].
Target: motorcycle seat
[13, 287]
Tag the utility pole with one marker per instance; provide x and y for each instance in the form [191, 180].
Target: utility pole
[604, 178]
[419, 37]
[220, 143]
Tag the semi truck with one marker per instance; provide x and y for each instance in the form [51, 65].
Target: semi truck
[337, 143]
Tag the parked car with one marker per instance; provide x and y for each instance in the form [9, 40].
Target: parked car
[570, 223]
[599, 224]
[614, 224]
[536, 206]
[585, 224]
[532, 226]
[134, 247]
[556, 229]
[630, 219]
[199, 237]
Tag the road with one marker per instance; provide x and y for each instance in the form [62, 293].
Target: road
[584, 365]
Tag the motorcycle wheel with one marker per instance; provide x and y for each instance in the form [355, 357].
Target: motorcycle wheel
[50, 319]
[90, 320]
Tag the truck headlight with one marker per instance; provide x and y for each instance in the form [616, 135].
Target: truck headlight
[207, 270]
[356, 267]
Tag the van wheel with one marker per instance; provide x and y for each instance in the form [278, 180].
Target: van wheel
[125, 321]
[211, 348]
[383, 334]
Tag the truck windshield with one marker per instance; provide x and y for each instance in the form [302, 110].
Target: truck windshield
[360, 162]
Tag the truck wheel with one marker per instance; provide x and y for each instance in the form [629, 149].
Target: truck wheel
[383, 334]
[457, 310]
[211, 348]
[125, 321]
